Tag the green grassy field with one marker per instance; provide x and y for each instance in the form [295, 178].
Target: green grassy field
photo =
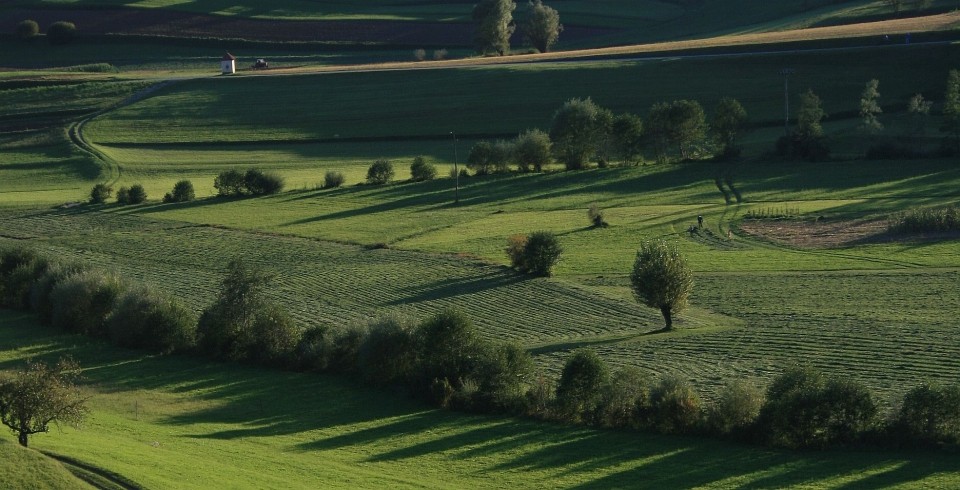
[162, 422]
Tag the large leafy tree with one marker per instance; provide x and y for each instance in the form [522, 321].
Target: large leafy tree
[727, 124]
[543, 26]
[681, 123]
[579, 128]
[661, 279]
[495, 25]
[38, 395]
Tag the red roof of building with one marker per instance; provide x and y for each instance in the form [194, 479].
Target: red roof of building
[229, 57]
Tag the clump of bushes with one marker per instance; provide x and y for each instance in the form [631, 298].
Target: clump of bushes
[927, 220]
[27, 29]
[421, 171]
[61, 32]
[100, 193]
[82, 302]
[929, 416]
[146, 319]
[233, 183]
[182, 192]
[333, 179]
[535, 254]
[19, 268]
[381, 172]
[134, 194]
[581, 386]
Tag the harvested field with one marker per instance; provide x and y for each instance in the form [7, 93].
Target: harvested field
[816, 234]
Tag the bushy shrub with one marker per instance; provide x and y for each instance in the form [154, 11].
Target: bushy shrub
[381, 172]
[736, 409]
[541, 252]
[674, 406]
[12, 259]
[273, 337]
[61, 32]
[313, 350]
[27, 29]
[447, 346]
[419, 54]
[595, 215]
[42, 288]
[929, 415]
[182, 192]
[123, 196]
[421, 171]
[224, 329]
[581, 385]
[481, 158]
[440, 54]
[502, 374]
[146, 319]
[804, 409]
[82, 302]
[17, 284]
[625, 400]
[387, 354]
[259, 183]
[230, 183]
[501, 154]
[138, 195]
[532, 150]
[100, 193]
[516, 244]
[333, 179]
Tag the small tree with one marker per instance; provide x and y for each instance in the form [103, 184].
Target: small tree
[532, 149]
[36, 395]
[182, 192]
[541, 252]
[419, 54]
[930, 415]
[61, 32]
[727, 124]
[261, 183]
[501, 156]
[543, 27]
[810, 115]
[381, 172]
[579, 127]
[675, 406]
[627, 137]
[481, 157]
[27, 29]
[736, 408]
[581, 385]
[123, 195]
[870, 109]
[495, 25]
[421, 171]
[951, 109]
[100, 193]
[595, 215]
[516, 244]
[661, 279]
[225, 327]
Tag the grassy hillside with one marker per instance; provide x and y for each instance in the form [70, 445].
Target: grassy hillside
[162, 422]
[27, 468]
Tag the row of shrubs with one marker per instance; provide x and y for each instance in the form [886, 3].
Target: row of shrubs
[253, 182]
[60, 32]
[444, 361]
[136, 194]
[927, 220]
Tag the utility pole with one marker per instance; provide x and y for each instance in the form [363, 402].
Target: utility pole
[786, 72]
[456, 169]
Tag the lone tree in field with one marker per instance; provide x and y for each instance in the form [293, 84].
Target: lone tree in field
[495, 25]
[661, 279]
[727, 124]
[36, 395]
[951, 109]
[579, 127]
[870, 109]
[543, 26]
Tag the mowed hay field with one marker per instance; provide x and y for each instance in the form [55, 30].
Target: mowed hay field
[165, 422]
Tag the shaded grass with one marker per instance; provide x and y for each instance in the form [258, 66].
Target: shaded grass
[192, 424]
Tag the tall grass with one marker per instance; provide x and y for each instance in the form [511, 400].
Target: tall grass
[927, 220]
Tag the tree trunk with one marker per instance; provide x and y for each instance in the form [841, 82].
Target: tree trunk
[667, 318]
[22, 439]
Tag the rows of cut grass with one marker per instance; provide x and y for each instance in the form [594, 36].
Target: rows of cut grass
[178, 422]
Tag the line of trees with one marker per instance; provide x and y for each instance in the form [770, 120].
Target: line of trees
[444, 360]
[495, 25]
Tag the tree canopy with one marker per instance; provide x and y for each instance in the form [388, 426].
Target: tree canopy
[661, 279]
[543, 27]
[37, 395]
[495, 25]
[579, 127]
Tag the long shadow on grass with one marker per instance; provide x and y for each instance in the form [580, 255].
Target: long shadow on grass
[449, 288]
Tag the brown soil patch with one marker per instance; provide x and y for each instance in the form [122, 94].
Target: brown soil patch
[817, 234]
